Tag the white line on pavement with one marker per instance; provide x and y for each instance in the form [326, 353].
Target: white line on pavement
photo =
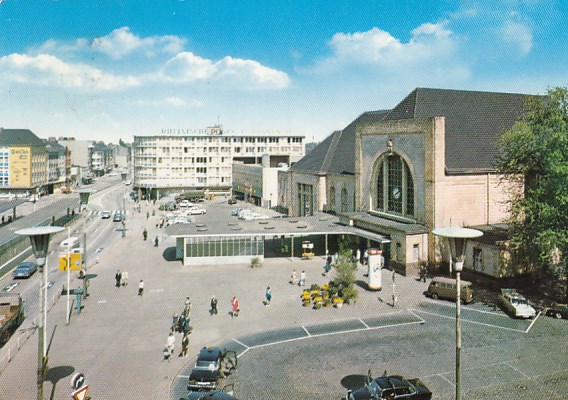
[532, 323]
[516, 369]
[472, 322]
[241, 343]
[305, 330]
[446, 379]
[363, 322]
[453, 305]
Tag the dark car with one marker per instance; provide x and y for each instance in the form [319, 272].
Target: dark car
[232, 201]
[205, 373]
[24, 270]
[392, 387]
[559, 311]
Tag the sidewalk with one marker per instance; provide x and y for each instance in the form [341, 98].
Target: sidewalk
[118, 338]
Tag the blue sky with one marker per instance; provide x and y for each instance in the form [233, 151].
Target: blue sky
[106, 70]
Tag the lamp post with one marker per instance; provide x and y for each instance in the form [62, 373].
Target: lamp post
[39, 238]
[84, 195]
[457, 238]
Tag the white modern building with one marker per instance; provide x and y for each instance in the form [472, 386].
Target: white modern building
[181, 160]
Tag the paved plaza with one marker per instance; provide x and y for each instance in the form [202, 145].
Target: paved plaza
[286, 350]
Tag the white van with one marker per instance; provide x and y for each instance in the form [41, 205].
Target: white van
[71, 243]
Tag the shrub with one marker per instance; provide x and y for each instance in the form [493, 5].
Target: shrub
[315, 286]
[255, 263]
[350, 294]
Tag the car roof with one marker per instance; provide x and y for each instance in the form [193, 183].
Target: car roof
[25, 264]
[209, 354]
[390, 382]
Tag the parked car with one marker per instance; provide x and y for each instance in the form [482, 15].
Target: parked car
[236, 211]
[232, 201]
[117, 216]
[211, 365]
[392, 387]
[516, 304]
[105, 214]
[196, 210]
[185, 203]
[214, 395]
[558, 311]
[446, 288]
[24, 270]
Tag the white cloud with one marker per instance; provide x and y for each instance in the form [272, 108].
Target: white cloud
[377, 47]
[172, 101]
[519, 36]
[47, 70]
[121, 42]
[231, 72]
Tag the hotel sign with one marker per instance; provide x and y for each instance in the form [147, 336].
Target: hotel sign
[20, 166]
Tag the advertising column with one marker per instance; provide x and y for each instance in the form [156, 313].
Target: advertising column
[376, 263]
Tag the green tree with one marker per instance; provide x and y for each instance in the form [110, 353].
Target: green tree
[534, 158]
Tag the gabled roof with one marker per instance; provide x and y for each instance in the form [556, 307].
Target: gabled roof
[19, 137]
[474, 122]
[336, 154]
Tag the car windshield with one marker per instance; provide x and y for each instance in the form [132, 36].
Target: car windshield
[205, 364]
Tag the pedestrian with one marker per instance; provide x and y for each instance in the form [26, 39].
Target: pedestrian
[124, 278]
[118, 278]
[365, 257]
[328, 259]
[147, 215]
[267, 296]
[184, 345]
[326, 268]
[302, 278]
[186, 306]
[175, 321]
[234, 307]
[170, 343]
[293, 277]
[156, 242]
[145, 234]
[214, 305]
[358, 256]
[181, 322]
[186, 325]
[335, 257]
[141, 288]
[423, 272]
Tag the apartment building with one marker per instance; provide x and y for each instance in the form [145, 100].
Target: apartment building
[23, 161]
[180, 160]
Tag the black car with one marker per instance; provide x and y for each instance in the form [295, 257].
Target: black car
[392, 387]
[205, 373]
[232, 201]
[559, 311]
[213, 395]
[211, 365]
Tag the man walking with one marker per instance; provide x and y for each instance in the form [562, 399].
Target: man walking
[141, 288]
[302, 278]
[184, 345]
[234, 307]
[213, 305]
[118, 278]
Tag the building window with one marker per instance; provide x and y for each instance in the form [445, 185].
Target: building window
[305, 199]
[416, 252]
[395, 186]
[331, 199]
[344, 200]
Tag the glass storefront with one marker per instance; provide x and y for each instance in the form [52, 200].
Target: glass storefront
[224, 246]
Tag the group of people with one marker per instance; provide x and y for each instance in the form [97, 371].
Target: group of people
[180, 324]
[294, 278]
[121, 278]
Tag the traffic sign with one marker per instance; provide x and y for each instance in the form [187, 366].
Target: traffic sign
[81, 394]
[77, 380]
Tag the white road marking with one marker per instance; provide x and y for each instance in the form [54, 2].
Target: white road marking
[364, 324]
[453, 305]
[532, 323]
[305, 330]
[446, 379]
[101, 302]
[472, 322]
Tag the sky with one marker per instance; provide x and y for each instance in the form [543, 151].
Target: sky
[105, 69]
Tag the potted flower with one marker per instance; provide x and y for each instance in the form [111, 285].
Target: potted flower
[327, 302]
[337, 302]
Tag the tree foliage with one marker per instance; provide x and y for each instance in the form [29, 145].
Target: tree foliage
[534, 157]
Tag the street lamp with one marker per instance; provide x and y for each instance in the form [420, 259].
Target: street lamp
[84, 195]
[39, 238]
[457, 238]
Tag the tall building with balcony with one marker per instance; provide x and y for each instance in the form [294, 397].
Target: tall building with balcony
[181, 160]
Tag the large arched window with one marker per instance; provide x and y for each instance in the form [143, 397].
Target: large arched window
[344, 200]
[395, 187]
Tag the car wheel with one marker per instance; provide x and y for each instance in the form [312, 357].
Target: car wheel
[558, 315]
[434, 296]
